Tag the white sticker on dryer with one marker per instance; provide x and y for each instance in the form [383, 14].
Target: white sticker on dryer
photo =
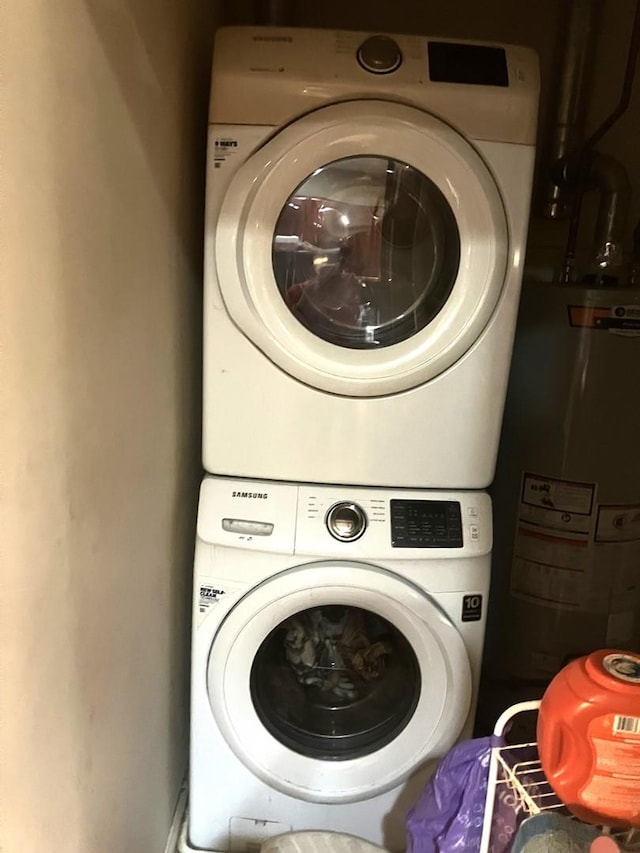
[223, 148]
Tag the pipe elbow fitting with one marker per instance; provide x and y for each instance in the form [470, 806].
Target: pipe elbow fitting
[611, 180]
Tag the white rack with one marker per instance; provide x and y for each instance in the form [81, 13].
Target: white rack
[516, 777]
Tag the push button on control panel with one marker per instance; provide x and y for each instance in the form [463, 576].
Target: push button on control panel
[346, 521]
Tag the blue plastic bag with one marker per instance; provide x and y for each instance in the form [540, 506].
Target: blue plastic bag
[450, 812]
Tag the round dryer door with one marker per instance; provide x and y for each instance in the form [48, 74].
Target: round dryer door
[332, 682]
[363, 248]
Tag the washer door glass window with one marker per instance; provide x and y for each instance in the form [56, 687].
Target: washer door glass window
[366, 252]
[325, 671]
[335, 682]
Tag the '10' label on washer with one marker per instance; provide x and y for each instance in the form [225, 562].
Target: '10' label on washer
[471, 608]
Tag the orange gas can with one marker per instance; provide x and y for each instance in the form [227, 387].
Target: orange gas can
[589, 737]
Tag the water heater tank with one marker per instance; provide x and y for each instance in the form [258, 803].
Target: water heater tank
[566, 577]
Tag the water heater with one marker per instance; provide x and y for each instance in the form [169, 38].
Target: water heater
[567, 489]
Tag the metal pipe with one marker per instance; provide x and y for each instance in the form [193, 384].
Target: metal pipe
[274, 13]
[577, 51]
[627, 85]
[596, 136]
[635, 260]
[611, 179]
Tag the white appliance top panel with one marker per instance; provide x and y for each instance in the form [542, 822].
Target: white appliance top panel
[344, 521]
[272, 75]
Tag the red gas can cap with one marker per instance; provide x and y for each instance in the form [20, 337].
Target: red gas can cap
[622, 665]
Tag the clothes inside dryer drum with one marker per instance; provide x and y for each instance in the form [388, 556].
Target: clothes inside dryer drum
[366, 252]
[335, 682]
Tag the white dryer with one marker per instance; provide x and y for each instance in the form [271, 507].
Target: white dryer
[367, 207]
[337, 642]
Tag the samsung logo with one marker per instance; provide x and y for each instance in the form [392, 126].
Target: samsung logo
[287, 39]
[257, 495]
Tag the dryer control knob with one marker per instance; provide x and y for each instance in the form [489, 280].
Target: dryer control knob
[380, 55]
[346, 521]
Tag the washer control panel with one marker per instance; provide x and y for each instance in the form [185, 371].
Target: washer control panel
[346, 521]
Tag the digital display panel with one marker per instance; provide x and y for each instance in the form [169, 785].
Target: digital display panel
[472, 64]
[426, 524]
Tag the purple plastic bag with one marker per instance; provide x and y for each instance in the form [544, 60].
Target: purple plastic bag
[450, 812]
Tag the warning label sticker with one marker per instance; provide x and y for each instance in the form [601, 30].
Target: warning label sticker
[618, 523]
[558, 495]
[618, 319]
[551, 550]
[548, 569]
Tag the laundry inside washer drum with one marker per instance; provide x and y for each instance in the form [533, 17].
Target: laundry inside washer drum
[335, 682]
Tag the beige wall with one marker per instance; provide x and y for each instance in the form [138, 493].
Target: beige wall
[103, 119]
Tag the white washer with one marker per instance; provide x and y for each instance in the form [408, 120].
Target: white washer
[337, 644]
[367, 207]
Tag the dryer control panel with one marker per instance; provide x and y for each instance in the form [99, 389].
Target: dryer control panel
[485, 90]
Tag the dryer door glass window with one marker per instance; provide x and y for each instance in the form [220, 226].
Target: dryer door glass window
[335, 682]
[366, 252]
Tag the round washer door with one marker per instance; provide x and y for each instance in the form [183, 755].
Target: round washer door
[362, 249]
[332, 682]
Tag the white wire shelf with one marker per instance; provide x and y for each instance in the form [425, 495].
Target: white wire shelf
[517, 782]
[524, 777]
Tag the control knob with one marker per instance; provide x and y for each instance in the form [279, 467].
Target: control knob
[379, 54]
[346, 521]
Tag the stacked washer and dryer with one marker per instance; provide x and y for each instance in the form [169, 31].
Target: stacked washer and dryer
[367, 207]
